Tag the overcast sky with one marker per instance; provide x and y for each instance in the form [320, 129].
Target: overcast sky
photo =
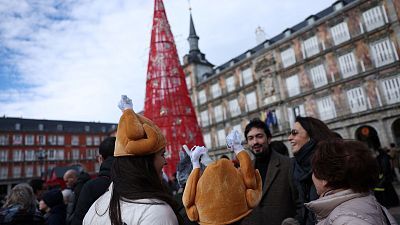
[71, 60]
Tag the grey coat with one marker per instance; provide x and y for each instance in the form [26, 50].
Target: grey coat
[280, 196]
[348, 207]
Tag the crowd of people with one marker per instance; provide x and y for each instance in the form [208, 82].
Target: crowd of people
[328, 180]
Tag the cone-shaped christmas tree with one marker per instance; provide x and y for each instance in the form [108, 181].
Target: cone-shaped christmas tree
[167, 100]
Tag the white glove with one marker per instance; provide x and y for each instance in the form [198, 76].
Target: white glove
[234, 142]
[205, 159]
[195, 154]
[125, 103]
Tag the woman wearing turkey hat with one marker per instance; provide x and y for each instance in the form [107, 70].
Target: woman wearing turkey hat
[136, 194]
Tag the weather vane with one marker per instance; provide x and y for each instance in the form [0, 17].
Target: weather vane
[190, 7]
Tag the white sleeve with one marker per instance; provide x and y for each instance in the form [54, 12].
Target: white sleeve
[158, 215]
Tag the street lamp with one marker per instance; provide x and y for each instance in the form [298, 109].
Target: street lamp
[41, 156]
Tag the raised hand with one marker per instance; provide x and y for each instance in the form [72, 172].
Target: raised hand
[195, 154]
[234, 141]
[125, 103]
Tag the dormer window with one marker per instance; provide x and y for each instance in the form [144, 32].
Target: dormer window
[287, 32]
[87, 128]
[266, 44]
[59, 127]
[310, 20]
[338, 5]
[41, 127]
[17, 126]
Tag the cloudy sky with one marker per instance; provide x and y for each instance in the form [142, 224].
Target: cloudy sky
[71, 60]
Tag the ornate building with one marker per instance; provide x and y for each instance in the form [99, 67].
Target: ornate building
[30, 148]
[340, 65]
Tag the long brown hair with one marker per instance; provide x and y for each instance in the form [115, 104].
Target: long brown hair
[21, 194]
[134, 178]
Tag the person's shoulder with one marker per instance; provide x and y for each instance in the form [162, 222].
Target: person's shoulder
[97, 180]
[153, 212]
[349, 219]
[285, 160]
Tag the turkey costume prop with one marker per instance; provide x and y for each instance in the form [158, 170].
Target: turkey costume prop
[223, 194]
[137, 136]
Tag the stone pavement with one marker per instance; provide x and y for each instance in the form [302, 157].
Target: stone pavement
[395, 211]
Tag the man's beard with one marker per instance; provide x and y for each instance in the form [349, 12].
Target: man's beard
[260, 147]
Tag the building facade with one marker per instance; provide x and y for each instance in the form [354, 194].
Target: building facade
[30, 148]
[340, 65]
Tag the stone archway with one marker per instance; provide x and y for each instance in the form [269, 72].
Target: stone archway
[369, 136]
[396, 131]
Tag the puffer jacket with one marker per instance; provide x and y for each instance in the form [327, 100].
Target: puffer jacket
[348, 207]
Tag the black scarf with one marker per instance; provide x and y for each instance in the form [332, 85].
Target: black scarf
[303, 160]
[262, 161]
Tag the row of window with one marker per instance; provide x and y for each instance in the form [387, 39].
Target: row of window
[17, 171]
[245, 78]
[373, 18]
[358, 100]
[59, 127]
[29, 139]
[383, 53]
[49, 155]
[26, 171]
[220, 112]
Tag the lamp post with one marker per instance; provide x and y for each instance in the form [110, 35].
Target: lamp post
[41, 156]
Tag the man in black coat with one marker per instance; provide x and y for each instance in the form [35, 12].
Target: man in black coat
[93, 189]
[280, 196]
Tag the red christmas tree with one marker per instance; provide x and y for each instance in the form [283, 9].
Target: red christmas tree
[167, 101]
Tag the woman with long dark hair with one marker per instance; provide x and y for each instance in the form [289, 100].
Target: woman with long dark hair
[136, 195]
[307, 132]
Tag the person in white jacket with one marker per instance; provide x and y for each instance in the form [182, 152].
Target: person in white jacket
[136, 194]
[344, 173]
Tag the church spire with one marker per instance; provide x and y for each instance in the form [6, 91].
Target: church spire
[195, 55]
[193, 38]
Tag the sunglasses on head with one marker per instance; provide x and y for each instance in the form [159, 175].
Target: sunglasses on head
[293, 132]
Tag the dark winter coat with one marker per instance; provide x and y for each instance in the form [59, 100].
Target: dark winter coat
[181, 208]
[384, 191]
[14, 215]
[303, 179]
[57, 215]
[280, 197]
[91, 191]
[82, 179]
